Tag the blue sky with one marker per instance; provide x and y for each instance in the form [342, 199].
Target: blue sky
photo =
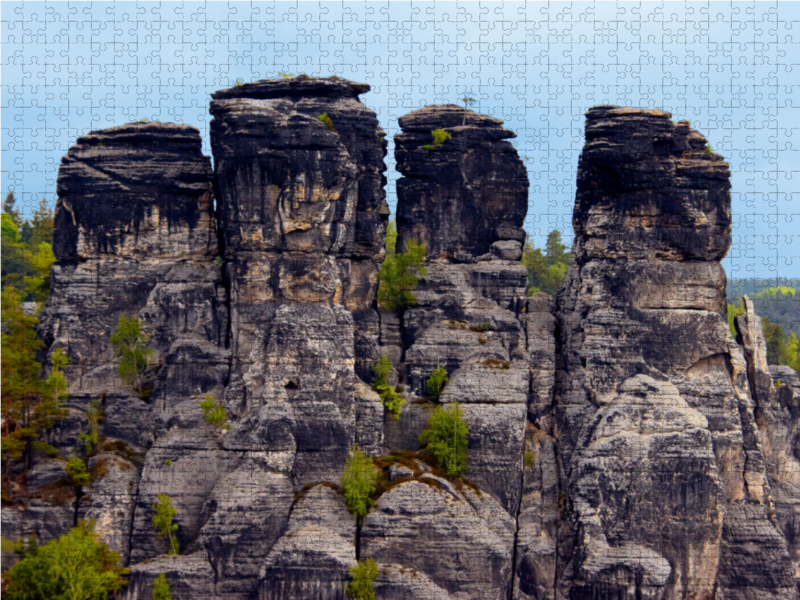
[730, 68]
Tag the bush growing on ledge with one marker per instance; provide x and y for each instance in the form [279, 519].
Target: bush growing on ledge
[440, 136]
[161, 588]
[382, 368]
[436, 383]
[358, 482]
[326, 120]
[76, 472]
[76, 565]
[214, 412]
[129, 342]
[162, 521]
[362, 575]
[446, 438]
[399, 276]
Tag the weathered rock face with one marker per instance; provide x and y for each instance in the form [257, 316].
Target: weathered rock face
[462, 540]
[776, 391]
[313, 558]
[301, 203]
[621, 444]
[663, 470]
[135, 234]
[464, 195]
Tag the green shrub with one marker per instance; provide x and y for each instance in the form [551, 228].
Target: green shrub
[168, 462]
[214, 412]
[399, 276]
[436, 383]
[708, 149]
[528, 460]
[76, 471]
[161, 588]
[389, 396]
[76, 566]
[326, 120]
[363, 574]
[446, 438]
[129, 342]
[358, 482]
[90, 438]
[163, 511]
[239, 82]
[440, 136]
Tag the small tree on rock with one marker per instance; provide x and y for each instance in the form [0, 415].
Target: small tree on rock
[436, 383]
[358, 482]
[446, 437]
[129, 341]
[391, 400]
[161, 588]
[361, 586]
[399, 276]
[74, 567]
[162, 521]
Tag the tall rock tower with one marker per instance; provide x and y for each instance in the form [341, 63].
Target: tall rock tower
[664, 472]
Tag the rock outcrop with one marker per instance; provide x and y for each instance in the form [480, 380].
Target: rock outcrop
[622, 444]
[465, 194]
[664, 474]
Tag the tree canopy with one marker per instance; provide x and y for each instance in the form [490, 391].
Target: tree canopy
[546, 269]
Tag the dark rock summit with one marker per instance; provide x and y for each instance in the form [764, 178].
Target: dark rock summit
[622, 444]
[463, 195]
[663, 471]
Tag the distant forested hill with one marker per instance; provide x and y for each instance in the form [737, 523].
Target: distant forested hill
[778, 299]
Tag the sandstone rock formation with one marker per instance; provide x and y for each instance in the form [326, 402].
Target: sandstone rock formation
[465, 194]
[621, 443]
[662, 466]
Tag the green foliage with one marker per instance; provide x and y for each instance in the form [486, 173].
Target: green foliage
[772, 292]
[326, 120]
[129, 341]
[239, 82]
[391, 237]
[708, 149]
[214, 412]
[733, 311]
[399, 276]
[163, 512]
[76, 471]
[27, 253]
[358, 482]
[440, 136]
[546, 270]
[446, 437]
[781, 350]
[74, 567]
[436, 383]
[391, 400]
[528, 459]
[89, 438]
[168, 462]
[218, 262]
[30, 405]
[161, 588]
[281, 74]
[362, 575]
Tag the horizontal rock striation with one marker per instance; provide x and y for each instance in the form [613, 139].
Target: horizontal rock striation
[666, 490]
[622, 444]
[461, 196]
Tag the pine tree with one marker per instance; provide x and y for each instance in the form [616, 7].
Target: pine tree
[30, 404]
